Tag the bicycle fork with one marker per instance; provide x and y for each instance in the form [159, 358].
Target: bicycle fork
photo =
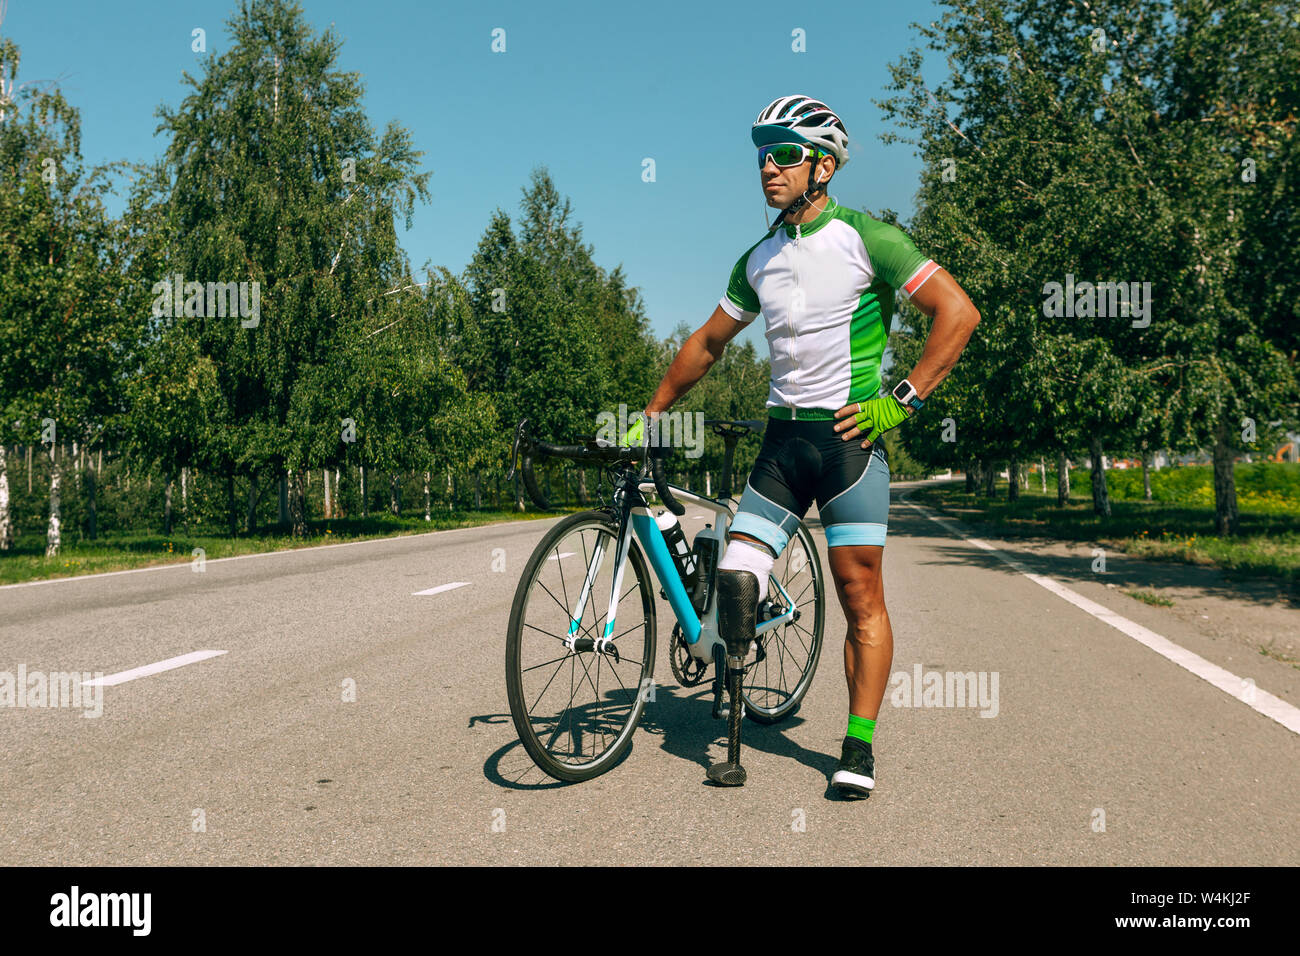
[605, 641]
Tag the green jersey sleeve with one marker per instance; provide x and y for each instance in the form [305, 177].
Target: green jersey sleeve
[896, 260]
[740, 300]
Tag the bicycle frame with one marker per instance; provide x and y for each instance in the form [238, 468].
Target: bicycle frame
[700, 635]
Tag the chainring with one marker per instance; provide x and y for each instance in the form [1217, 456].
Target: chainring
[688, 671]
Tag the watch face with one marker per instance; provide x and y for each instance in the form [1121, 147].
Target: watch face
[903, 391]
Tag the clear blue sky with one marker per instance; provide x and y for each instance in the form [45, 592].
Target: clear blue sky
[587, 89]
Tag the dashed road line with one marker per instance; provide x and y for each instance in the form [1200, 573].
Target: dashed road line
[121, 677]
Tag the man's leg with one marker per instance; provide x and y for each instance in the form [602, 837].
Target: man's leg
[869, 644]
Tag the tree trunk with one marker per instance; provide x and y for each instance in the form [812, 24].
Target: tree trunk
[6, 524]
[53, 536]
[92, 486]
[1042, 472]
[254, 496]
[1013, 480]
[451, 491]
[283, 488]
[365, 508]
[232, 520]
[1062, 479]
[394, 505]
[1146, 474]
[1225, 487]
[427, 516]
[185, 496]
[167, 506]
[1100, 497]
[582, 487]
[325, 473]
[478, 489]
[990, 472]
[298, 502]
[972, 477]
[29, 469]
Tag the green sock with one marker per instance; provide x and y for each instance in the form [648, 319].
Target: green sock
[860, 727]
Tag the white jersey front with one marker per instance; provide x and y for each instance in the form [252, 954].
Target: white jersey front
[826, 289]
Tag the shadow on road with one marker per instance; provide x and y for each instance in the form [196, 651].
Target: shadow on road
[682, 720]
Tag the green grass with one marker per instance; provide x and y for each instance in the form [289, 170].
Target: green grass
[27, 561]
[1147, 597]
[1262, 487]
[1267, 545]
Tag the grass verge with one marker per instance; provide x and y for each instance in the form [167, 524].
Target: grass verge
[27, 561]
[1267, 545]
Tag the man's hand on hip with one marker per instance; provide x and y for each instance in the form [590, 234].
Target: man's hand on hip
[870, 418]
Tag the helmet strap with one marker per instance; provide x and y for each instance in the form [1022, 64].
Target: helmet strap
[812, 190]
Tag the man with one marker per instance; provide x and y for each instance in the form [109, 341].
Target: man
[824, 278]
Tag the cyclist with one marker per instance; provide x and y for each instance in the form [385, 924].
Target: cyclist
[824, 277]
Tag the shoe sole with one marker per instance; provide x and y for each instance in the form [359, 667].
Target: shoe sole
[853, 782]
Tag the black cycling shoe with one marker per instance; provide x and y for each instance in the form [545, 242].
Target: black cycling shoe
[856, 774]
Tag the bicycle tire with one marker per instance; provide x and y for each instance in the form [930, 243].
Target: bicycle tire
[790, 705]
[515, 691]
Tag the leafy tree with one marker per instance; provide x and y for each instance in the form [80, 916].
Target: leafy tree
[61, 326]
[277, 180]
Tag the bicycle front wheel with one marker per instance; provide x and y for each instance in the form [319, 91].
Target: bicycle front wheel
[575, 708]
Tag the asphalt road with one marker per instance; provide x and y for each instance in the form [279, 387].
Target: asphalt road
[254, 756]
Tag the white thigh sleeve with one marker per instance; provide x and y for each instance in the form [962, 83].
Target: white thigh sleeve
[743, 556]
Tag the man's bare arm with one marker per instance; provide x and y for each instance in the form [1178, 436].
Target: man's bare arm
[694, 359]
[955, 318]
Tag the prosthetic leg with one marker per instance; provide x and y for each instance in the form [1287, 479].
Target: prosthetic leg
[737, 613]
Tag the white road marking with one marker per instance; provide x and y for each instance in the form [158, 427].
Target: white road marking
[243, 557]
[566, 554]
[440, 588]
[121, 677]
[1240, 688]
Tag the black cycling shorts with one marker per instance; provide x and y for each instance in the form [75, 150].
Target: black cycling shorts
[805, 460]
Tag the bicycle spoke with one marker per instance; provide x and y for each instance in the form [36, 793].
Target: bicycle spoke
[587, 722]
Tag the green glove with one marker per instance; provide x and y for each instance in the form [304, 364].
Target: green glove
[879, 415]
[636, 432]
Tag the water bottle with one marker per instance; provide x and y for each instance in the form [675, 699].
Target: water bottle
[677, 547]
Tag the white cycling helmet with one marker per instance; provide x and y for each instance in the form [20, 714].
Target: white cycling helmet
[802, 119]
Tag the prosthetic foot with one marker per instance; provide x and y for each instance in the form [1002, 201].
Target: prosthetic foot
[737, 612]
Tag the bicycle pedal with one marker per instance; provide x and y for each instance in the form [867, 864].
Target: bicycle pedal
[727, 774]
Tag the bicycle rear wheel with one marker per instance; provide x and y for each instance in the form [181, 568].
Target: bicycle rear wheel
[775, 683]
[575, 708]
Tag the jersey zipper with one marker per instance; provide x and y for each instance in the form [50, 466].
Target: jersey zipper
[794, 336]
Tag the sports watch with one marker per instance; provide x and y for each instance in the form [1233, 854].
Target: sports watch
[905, 393]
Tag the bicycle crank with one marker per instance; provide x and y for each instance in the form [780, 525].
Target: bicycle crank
[688, 670]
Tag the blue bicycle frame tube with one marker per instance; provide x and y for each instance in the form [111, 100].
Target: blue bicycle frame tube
[656, 549]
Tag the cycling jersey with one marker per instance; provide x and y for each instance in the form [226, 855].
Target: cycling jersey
[826, 289]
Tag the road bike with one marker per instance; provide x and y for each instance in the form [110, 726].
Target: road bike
[580, 644]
